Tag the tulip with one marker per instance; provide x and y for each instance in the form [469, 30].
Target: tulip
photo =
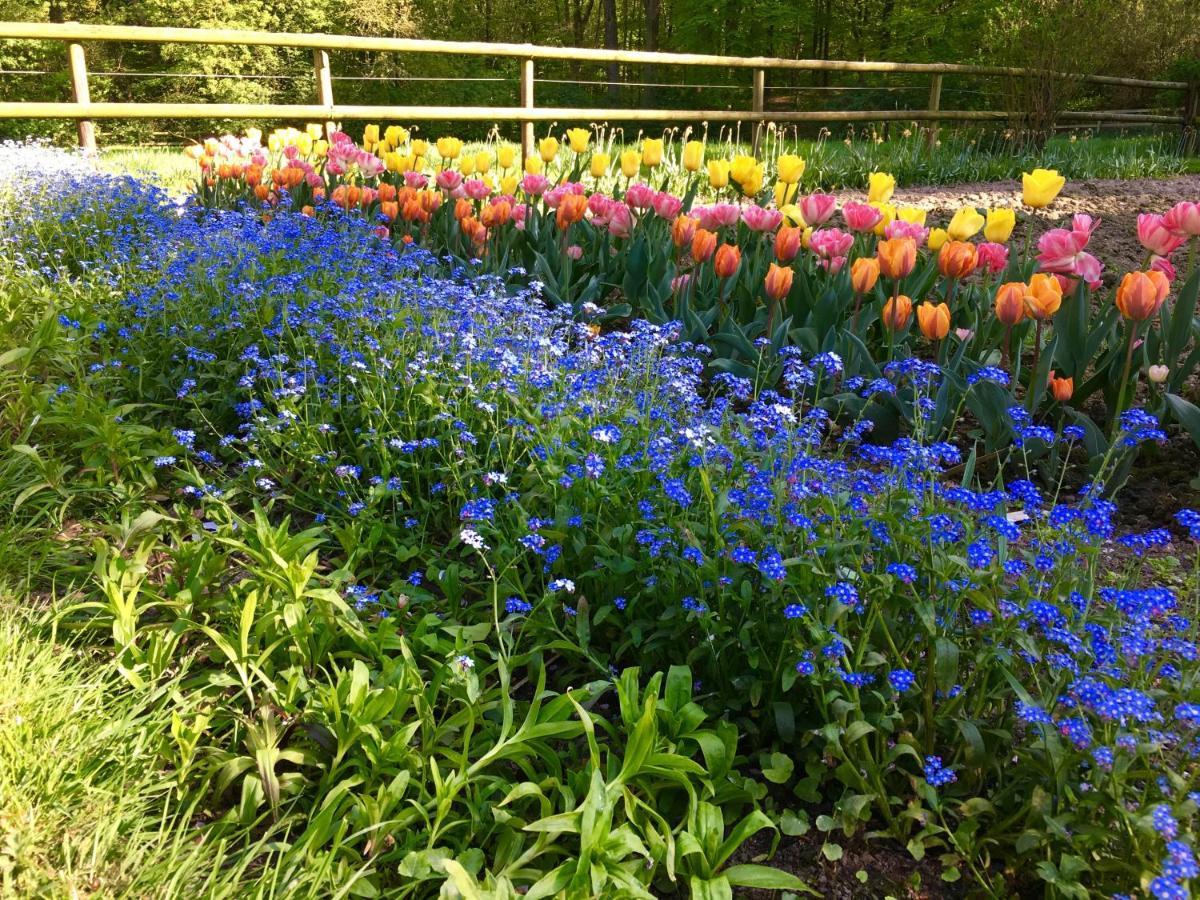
[887, 215]
[830, 243]
[704, 242]
[752, 183]
[578, 139]
[742, 168]
[778, 282]
[1183, 218]
[599, 164]
[1040, 187]
[631, 163]
[1156, 237]
[370, 136]
[394, 135]
[483, 161]
[897, 257]
[937, 238]
[790, 167]
[1141, 294]
[419, 147]
[785, 193]
[666, 206]
[448, 147]
[534, 164]
[863, 274]
[1000, 225]
[1158, 374]
[992, 258]
[506, 155]
[761, 219]
[570, 210]
[727, 260]
[548, 148]
[1062, 388]
[534, 184]
[957, 259]
[817, 209]
[1010, 302]
[314, 130]
[718, 173]
[880, 187]
[1044, 297]
[467, 166]
[933, 320]
[640, 196]
[652, 152]
[1162, 264]
[896, 312]
[787, 243]
[792, 215]
[912, 214]
[693, 156]
[860, 216]
[965, 224]
[918, 233]
[683, 229]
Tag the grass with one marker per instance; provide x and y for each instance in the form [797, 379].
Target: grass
[962, 155]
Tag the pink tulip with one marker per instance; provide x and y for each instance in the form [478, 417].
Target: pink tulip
[680, 283]
[1162, 264]
[860, 216]
[817, 209]
[476, 188]
[534, 185]
[1183, 218]
[575, 252]
[833, 266]
[415, 180]
[1089, 269]
[519, 212]
[620, 222]
[1065, 283]
[1156, 237]
[717, 215]
[830, 243]
[992, 258]
[1083, 224]
[598, 206]
[448, 179]
[759, 218]
[900, 228]
[1058, 249]
[667, 206]
[639, 196]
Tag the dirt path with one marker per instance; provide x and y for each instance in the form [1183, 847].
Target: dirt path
[1115, 202]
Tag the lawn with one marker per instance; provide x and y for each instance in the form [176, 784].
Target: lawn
[631, 521]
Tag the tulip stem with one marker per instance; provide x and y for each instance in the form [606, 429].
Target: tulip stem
[1004, 360]
[854, 318]
[1033, 372]
[1133, 329]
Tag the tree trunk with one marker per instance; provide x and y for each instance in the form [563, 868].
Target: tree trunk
[653, 8]
[610, 43]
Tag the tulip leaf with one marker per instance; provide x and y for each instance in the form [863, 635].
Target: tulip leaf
[1186, 413]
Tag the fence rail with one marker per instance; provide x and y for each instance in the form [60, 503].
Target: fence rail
[84, 111]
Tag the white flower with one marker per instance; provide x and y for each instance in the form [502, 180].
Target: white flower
[491, 478]
[472, 538]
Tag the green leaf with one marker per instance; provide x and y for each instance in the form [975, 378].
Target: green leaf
[1187, 414]
[832, 852]
[716, 888]
[777, 768]
[766, 878]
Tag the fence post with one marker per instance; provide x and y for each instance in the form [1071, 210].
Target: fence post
[526, 103]
[324, 80]
[81, 94]
[935, 104]
[758, 102]
[1191, 118]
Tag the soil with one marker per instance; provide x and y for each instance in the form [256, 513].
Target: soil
[1115, 202]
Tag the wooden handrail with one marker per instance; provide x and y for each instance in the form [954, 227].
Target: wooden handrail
[230, 36]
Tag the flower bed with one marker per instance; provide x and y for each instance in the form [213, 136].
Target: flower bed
[392, 511]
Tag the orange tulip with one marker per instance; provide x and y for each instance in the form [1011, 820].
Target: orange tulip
[1062, 388]
[262, 192]
[897, 256]
[1010, 302]
[933, 320]
[863, 274]
[1140, 295]
[411, 211]
[787, 243]
[473, 229]
[1044, 297]
[570, 210]
[897, 311]
[495, 214]
[727, 260]
[462, 208]
[683, 229]
[957, 259]
[704, 242]
[386, 192]
[390, 209]
[778, 282]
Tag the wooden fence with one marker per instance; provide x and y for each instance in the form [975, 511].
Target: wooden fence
[326, 109]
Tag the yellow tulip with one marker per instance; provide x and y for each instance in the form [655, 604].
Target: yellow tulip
[548, 148]
[742, 168]
[275, 142]
[508, 184]
[652, 151]
[718, 173]
[785, 193]
[254, 135]
[534, 164]
[965, 224]
[631, 162]
[599, 164]
[578, 139]
[1000, 224]
[304, 144]
[937, 237]
[419, 148]
[393, 162]
[911, 214]
[880, 187]
[448, 147]
[1040, 187]
[506, 155]
[395, 135]
[693, 156]
[792, 215]
[887, 217]
[753, 182]
[320, 148]
[790, 168]
[370, 136]
[383, 147]
[467, 166]
[806, 238]
[314, 130]
[483, 161]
